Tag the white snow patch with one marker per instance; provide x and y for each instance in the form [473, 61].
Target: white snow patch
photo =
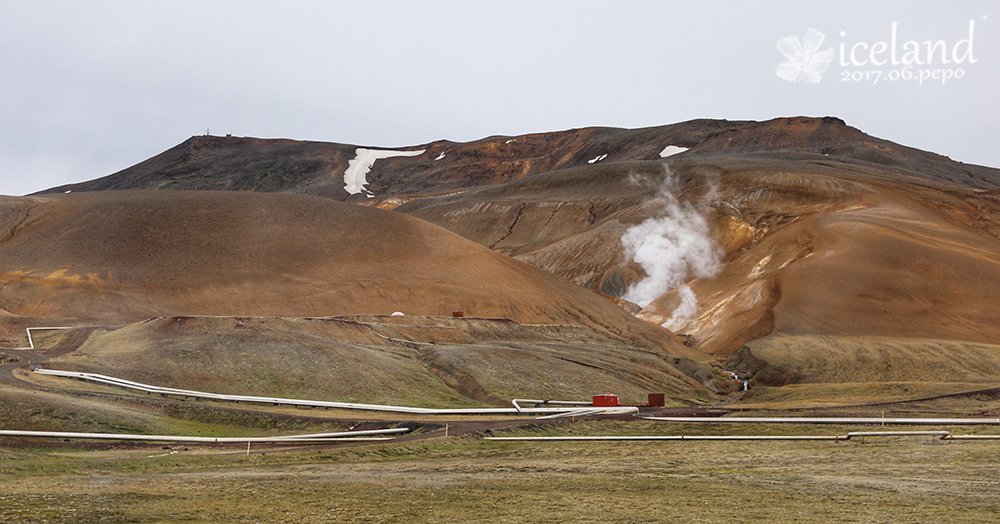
[597, 159]
[511, 140]
[364, 159]
[671, 151]
[439, 157]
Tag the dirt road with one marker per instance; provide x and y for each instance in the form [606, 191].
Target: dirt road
[71, 342]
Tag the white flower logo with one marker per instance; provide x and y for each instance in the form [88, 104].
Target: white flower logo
[804, 63]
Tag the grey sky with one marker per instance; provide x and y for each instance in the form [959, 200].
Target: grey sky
[87, 89]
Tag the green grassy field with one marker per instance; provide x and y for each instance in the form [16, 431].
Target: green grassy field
[466, 478]
[463, 479]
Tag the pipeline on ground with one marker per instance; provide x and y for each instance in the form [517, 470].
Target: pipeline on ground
[937, 435]
[837, 420]
[342, 436]
[559, 409]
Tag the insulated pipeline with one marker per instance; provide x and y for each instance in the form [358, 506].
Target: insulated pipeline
[836, 420]
[938, 435]
[343, 436]
[566, 410]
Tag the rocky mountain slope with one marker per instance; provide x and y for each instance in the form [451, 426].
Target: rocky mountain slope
[317, 168]
[738, 236]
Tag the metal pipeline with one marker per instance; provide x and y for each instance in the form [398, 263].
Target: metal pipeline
[940, 435]
[343, 436]
[31, 343]
[593, 411]
[668, 437]
[146, 388]
[548, 402]
[834, 420]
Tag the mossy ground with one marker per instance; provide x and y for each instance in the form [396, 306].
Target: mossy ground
[463, 479]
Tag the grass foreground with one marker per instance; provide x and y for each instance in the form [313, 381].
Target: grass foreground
[463, 479]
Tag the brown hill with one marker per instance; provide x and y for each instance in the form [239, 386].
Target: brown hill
[207, 163]
[830, 249]
[428, 361]
[126, 256]
[571, 222]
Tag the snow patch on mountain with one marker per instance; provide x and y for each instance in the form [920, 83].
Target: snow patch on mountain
[672, 150]
[357, 168]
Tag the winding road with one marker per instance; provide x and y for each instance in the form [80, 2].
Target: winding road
[71, 342]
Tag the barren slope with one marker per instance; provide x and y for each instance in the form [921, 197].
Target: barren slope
[814, 246]
[410, 360]
[832, 251]
[126, 256]
[235, 164]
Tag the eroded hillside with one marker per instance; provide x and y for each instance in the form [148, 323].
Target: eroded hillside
[742, 236]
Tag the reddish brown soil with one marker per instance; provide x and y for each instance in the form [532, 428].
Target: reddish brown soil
[126, 256]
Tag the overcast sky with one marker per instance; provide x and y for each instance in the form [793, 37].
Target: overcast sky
[89, 88]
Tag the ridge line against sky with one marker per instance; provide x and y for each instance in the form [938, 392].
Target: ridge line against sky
[91, 88]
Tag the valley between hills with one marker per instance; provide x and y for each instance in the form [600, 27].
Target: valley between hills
[795, 265]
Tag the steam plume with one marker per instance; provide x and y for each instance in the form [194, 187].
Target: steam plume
[688, 308]
[672, 248]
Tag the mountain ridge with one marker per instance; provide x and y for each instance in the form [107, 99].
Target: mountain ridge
[310, 167]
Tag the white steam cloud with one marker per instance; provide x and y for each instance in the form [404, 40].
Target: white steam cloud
[672, 249]
[687, 309]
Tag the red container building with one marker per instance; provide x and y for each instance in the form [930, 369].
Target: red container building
[606, 401]
[657, 400]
